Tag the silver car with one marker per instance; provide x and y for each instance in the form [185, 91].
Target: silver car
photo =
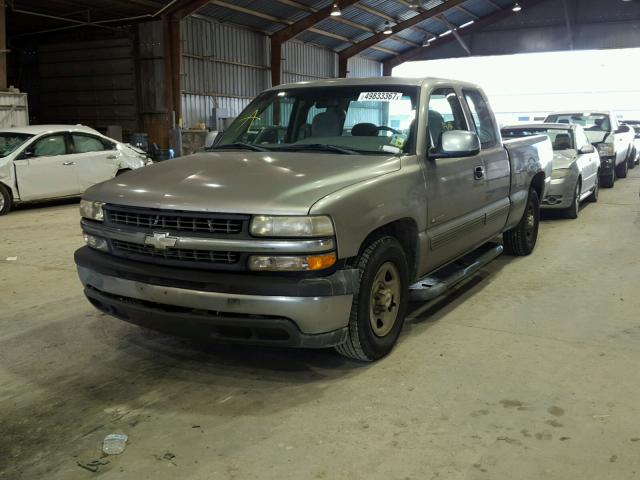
[575, 164]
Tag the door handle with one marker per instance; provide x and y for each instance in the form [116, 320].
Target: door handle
[111, 157]
[478, 173]
[66, 164]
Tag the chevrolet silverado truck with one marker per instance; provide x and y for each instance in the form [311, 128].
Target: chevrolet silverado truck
[614, 141]
[313, 214]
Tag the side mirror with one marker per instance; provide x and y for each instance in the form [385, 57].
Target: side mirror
[26, 154]
[623, 129]
[456, 143]
[587, 149]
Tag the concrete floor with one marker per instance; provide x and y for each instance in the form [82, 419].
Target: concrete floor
[529, 371]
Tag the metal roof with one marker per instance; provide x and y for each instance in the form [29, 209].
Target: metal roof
[358, 22]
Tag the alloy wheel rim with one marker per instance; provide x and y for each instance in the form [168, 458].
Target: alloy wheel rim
[385, 299]
[1, 202]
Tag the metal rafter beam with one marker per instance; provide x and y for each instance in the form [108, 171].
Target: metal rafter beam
[413, 54]
[379, 37]
[467, 12]
[309, 21]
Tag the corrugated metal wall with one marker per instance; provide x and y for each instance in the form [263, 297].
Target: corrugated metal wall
[303, 62]
[359, 67]
[225, 66]
[91, 82]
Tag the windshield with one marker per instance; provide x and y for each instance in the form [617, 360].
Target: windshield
[9, 142]
[596, 122]
[357, 119]
[561, 139]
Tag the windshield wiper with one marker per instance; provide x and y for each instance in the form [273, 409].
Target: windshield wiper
[319, 147]
[237, 146]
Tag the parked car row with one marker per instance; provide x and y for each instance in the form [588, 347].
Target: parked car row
[590, 150]
[324, 207]
[43, 162]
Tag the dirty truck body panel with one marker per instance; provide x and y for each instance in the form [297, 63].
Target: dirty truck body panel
[181, 250]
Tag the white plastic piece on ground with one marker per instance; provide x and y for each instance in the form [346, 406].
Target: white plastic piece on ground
[114, 443]
[12, 259]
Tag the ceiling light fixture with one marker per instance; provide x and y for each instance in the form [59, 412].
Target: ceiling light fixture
[516, 7]
[414, 4]
[387, 28]
[335, 10]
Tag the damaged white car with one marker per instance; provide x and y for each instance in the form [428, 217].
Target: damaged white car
[42, 162]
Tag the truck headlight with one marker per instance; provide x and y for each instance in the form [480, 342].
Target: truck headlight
[91, 210]
[272, 226]
[606, 149]
[560, 173]
[291, 263]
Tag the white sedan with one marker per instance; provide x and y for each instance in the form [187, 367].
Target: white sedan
[42, 162]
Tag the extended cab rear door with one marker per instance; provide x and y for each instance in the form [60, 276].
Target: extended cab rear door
[456, 190]
[494, 157]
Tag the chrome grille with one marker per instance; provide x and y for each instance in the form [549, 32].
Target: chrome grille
[175, 221]
[182, 254]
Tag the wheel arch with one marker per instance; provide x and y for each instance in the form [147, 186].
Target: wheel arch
[405, 230]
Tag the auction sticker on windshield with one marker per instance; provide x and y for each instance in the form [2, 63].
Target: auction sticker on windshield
[380, 96]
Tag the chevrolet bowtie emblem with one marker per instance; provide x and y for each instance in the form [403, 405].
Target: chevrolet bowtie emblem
[161, 241]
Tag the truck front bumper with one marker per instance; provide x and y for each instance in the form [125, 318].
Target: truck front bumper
[238, 308]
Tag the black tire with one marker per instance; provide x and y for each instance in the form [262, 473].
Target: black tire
[574, 209]
[593, 198]
[6, 200]
[632, 164]
[610, 180]
[363, 343]
[622, 169]
[521, 239]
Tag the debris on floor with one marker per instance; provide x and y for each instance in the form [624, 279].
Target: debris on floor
[93, 465]
[12, 259]
[114, 443]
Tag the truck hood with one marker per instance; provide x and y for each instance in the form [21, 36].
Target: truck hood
[564, 158]
[242, 182]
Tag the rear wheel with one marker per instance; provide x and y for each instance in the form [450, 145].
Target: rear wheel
[6, 200]
[521, 239]
[574, 209]
[622, 169]
[379, 305]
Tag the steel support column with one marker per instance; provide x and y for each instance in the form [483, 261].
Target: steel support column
[276, 61]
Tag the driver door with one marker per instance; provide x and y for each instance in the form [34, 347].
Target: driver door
[44, 169]
[455, 190]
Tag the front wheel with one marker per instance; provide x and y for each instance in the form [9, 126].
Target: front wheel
[622, 169]
[5, 200]
[380, 302]
[593, 198]
[574, 209]
[610, 180]
[521, 239]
